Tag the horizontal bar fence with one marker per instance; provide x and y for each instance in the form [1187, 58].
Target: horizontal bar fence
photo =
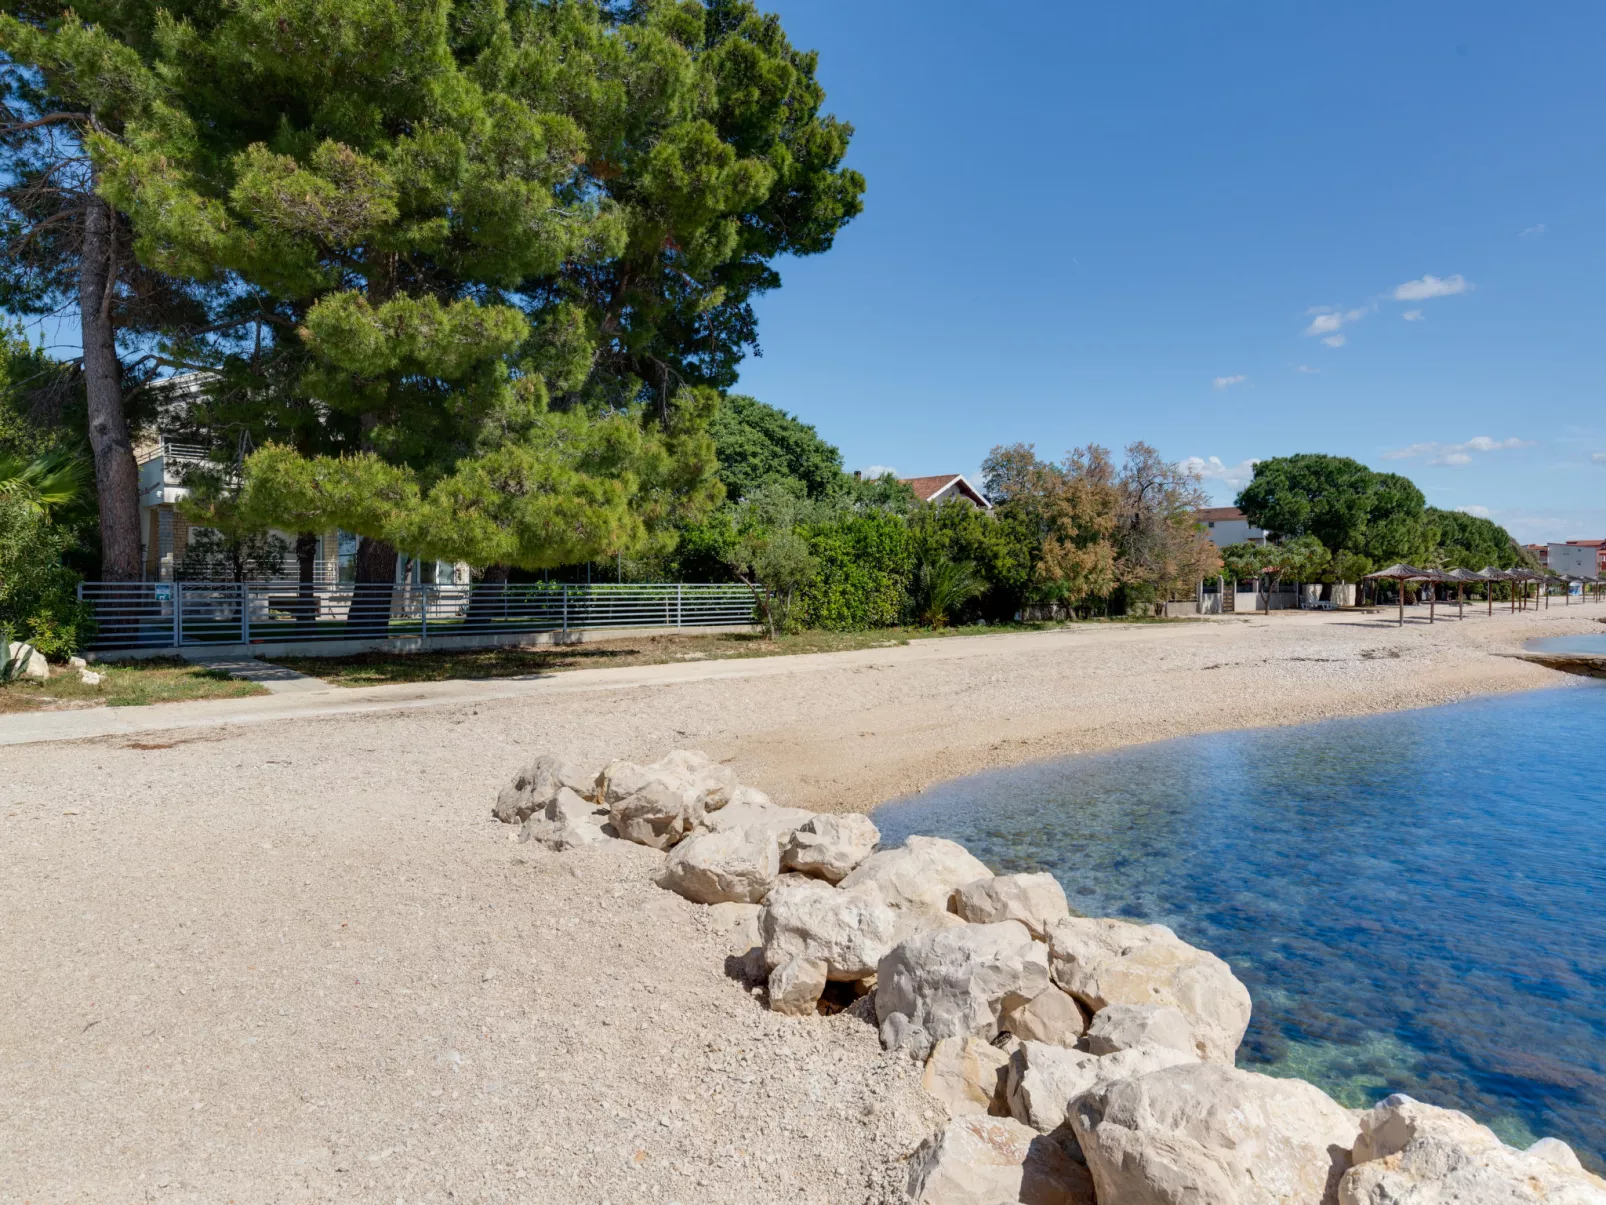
[154, 615]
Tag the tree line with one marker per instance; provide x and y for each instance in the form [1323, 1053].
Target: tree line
[462, 279]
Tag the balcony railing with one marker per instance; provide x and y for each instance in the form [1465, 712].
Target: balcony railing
[161, 615]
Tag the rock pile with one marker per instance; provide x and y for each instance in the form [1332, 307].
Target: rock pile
[1080, 1060]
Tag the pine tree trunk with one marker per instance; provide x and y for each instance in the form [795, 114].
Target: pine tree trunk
[306, 571]
[374, 590]
[116, 474]
[488, 600]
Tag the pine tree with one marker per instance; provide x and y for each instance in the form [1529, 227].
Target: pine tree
[493, 260]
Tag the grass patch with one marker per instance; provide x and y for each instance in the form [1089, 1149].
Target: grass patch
[380, 669]
[125, 684]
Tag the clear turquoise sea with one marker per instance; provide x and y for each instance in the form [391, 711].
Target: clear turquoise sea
[1417, 900]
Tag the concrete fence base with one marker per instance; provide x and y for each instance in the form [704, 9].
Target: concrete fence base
[412, 644]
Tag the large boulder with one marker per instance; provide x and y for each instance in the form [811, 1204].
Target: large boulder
[538, 784]
[658, 815]
[779, 822]
[1044, 1079]
[923, 872]
[980, 1160]
[849, 932]
[1036, 900]
[1409, 1153]
[956, 983]
[1128, 1026]
[830, 847]
[737, 866]
[24, 662]
[967, 1076]
[565, 822]
[1205, 1134]
[1104, 962]
[1050, 1016]
[708, 785]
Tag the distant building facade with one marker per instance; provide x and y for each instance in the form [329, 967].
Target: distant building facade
[1576, 558]
[1229, 525]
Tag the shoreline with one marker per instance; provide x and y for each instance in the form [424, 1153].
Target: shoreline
[299, 957]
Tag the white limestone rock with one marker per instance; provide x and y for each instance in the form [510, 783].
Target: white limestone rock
[1105, 962]
[26, 662]
[90, 678]
[830, 847]
[537, 785]
[795, 987]
[1128, 1026]
[779, 822]
[1409, 1153]
[707, 785]
[1044, 1079]
[565, 822]
[924, 872]
[1051, 1016]
[1205, 1134]
[1036, 900]
[736, 866]
[967, 1076]
[956, 983]
[848, 932]
[658, 815]
[980, 1160]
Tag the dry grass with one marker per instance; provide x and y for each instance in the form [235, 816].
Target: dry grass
[129, 684]
[377, 669]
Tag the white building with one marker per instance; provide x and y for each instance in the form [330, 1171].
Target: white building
[1576, 558]
[1229, 525]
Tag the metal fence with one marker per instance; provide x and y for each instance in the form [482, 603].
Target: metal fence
[154, 615]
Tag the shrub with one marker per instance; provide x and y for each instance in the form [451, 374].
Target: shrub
[38, 594]
[863, 579]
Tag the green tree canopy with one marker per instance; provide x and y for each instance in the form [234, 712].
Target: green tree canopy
[758, 444]
[1329, 497]
[466, 245]
[1471, 542]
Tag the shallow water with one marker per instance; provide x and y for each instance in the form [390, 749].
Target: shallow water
[1417, 901]
[1592, 643]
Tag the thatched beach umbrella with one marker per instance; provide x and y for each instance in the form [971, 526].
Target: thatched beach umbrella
[1491, 575]
[1401, 574]
[1461, 577]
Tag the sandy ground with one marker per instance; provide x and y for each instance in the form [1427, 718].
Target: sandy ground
[297, 961]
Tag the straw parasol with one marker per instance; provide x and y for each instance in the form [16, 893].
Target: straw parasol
[1401, 573]
[1491, 575]
[1461, 577]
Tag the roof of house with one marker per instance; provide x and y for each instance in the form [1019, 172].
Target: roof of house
[1219, 514]
[1588, 543]
[929, 489]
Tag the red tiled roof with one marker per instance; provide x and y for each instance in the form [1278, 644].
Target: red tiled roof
[1218, 514]
[927, 488]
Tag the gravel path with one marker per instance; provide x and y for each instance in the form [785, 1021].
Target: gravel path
[297, 961]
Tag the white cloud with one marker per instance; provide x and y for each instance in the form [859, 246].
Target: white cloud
[1477, 512]
[1432, 286]
[1531, 231]
[1228, 382]
[1326, 320]
[1335, 340]
[1456, 454]
[1306, 368]
[1599, 457]
[1234, 476]
[872, 472]
[1412, 315]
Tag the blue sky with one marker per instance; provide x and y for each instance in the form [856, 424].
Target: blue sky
[1234, 231]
